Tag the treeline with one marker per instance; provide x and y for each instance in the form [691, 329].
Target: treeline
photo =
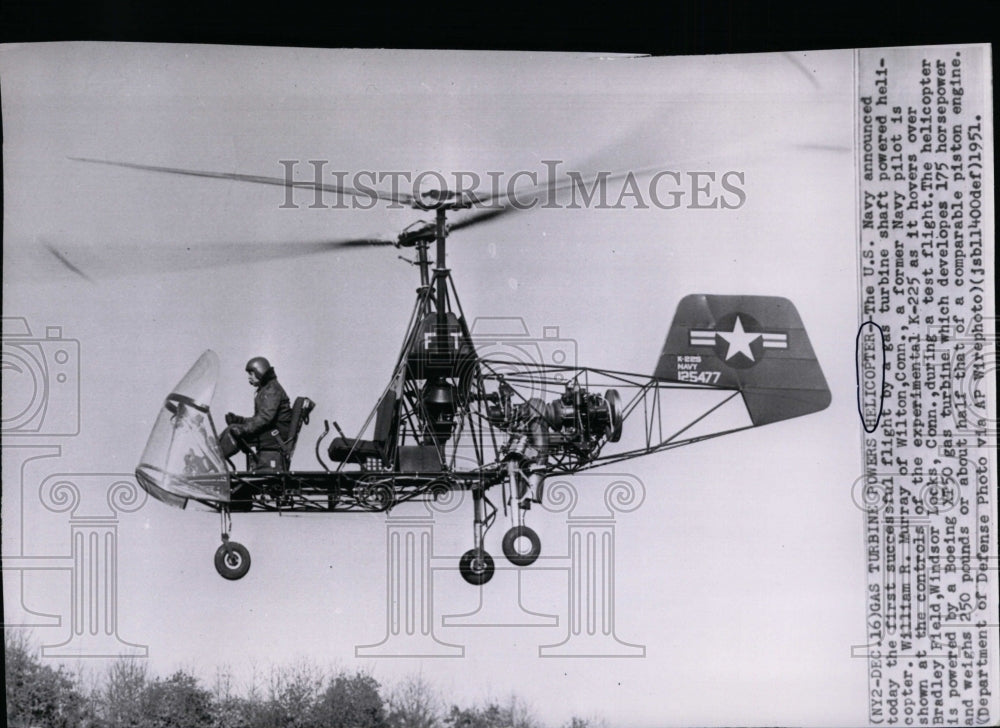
[127, 695]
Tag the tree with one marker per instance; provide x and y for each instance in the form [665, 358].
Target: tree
[230, 710]
[292, 692]
[514, 714]
[351, 702]
[38, 696]
[177, 702]
[578, 722]
[475, 717]
[120, 700]
[414, 704]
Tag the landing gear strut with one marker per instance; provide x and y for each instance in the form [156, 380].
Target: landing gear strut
[232, 560]
[476, 565]
[521, 544]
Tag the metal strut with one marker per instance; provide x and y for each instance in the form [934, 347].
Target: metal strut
[484, 515]
[227, 522]
[518, 489]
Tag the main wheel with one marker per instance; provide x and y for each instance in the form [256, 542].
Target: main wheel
[232, 560]
[476, 566]
[517, 551]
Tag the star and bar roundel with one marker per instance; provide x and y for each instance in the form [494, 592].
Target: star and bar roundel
[755, 344]
[738, 339]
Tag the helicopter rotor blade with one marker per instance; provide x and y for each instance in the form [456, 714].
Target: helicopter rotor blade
[480, 216]
[357, 243]
[528, 197]
[399, 198]
[90, 262]
[542, 194]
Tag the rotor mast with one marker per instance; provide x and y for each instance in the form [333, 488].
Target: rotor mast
[440, 271]
[421, 238]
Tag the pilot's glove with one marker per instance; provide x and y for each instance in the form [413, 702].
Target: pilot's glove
[231, 419]
[237, 430]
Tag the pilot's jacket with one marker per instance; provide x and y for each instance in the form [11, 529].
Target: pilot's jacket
[272, 416]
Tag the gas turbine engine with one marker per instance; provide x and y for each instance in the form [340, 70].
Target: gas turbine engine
[582, 421]
[570, 429]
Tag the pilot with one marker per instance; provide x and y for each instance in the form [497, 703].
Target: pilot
[268, 428]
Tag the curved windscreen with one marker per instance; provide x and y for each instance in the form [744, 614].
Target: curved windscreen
[182, 459]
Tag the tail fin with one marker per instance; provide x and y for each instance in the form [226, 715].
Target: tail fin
[756, 344]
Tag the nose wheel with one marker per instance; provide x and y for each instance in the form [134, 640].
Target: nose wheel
[232, 560]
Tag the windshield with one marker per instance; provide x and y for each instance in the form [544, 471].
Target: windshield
[182, 459]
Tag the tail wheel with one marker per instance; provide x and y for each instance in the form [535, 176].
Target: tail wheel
[521, 546]
[476, 566]
[232, 560]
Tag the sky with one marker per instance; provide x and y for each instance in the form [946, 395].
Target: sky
[741, 572]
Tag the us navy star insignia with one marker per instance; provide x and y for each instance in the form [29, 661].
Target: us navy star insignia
[738, 340]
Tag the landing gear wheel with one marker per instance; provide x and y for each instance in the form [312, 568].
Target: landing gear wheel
[516, 555]
[232, 560]
[476, 566]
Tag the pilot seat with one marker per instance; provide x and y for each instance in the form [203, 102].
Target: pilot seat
[276, 461]
[378, 453]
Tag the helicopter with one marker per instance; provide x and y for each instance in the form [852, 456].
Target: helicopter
[453, 419]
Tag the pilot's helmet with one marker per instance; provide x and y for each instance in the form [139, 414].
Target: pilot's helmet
[259, 366]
